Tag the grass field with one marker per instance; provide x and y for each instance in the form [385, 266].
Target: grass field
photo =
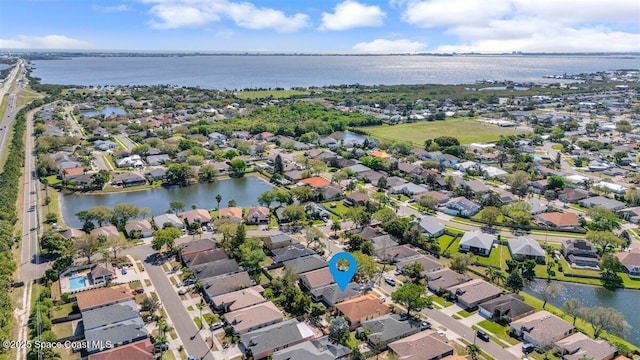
[464, 129]
[274, 94]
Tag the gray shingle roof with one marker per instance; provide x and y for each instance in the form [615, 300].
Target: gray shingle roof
[118, 334]
[291, 252]
[215, 268]
[305, 264]
[525, 246]
[477, 239]
[276, 336]
[318, 349]
[390, 328]
[430, 225]
[110, 314]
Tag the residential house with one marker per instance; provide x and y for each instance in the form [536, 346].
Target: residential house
[306, 264]
[425, 345]
[129, 178]
[331, 294]
[234, 214]
[115, 335]
[73, 234]
[440, 280]
[409, 189]
[226, 283]
[139, 350]
[101, 274]
[631, 214]
[362, 308]
[130, 161]
[371, 176]
[222, 167]
[399, 253]
[429, 264]
[279, 240]
[157, 160]
[203, 257]
[104, 145]
[108, 231]
[72, 173]
[356, 199]
[258, 215]
[318, 349]
[239, 299]
[315, 182]
[317, 212]
[477, 243]
[389, 328]
[559, 220]
[94, 298]
[264, 342]
[110, 314]
[440, 196]
[358, 168]
[541, 328]
[510, 307]
[580, 252]
[579, 346]
[158, 173]
[606, 203]
[630, 260]
[215, 268]
[470, 294]
[254, 317]
[140, 226]
[329, 193]
[537, 206]
[168, 218]
[572, 195]
[430, 226]
[461, 206]
[316, 278]
[524, 247]
[199, 216]
[294, 176]
[291, 252]
[381, 243]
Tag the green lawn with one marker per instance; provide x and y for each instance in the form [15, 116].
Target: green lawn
[441, 301]
[499, 253]
[211, 318]
[63, 330]
[198, 322]
[466, 314]
[62, 311]
[339, 206]
[498, 330]
[444, 241]
[275, 94]
[464, 129]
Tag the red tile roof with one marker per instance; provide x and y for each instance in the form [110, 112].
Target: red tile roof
[139, 350]
[316, 181]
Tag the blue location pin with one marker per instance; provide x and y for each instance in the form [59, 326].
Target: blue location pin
[342, 278]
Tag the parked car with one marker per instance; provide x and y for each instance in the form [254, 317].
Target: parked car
[161, 347]
[527, 348]
[390, 281]
[425, 325]
[216, 326]
[138, 291]
[124, 270]
[482, 335]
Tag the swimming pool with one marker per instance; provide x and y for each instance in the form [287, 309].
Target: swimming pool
[77, 282]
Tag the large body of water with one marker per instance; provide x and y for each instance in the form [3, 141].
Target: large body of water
[244, 190]
[286, 71]
[624, 300]
[106, 111]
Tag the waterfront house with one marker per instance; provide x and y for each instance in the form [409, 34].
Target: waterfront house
[505, 307]
[129, 178]
[469, 294]
[233, 214]
[140, 226]
[630, 260]
[524, 247]
[579, 346]
[168, 218]
[258, 215]
[199, 216]
[541, 328]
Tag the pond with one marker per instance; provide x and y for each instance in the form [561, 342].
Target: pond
[623, 300]
[109, 110]
[348, 136]
[244, 190]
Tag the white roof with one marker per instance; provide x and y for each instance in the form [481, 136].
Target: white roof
[576, 179]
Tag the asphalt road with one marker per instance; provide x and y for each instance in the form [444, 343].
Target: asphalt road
[182, 322]
[126, 141]
[11, 98]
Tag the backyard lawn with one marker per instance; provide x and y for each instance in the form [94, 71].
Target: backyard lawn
[464, 129]
[498, 330]
[498, 258]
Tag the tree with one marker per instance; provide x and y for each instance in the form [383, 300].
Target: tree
[383, 183]
[573, 308]
[339, 330]
[519, 182]
[302, 193]
[514, 282]
[123, 212]
[605, 319]
[336, 226]
[603, 219]
[218, 200]
[490, 215]
[428, 202]
[232, 203]
[318, 309]
[282, 197]
[293, 213]
[238, 167]
[473, 350]
[179, 174]
[207, 173]
[101, 214]
[88, 245]
[413, 271]
[314, 237]
[317, 167]
[610, 266]
[460, 262]
[555, 182]
[550, 195]
[149, 305]
[54, 245]
[367, 268]
[550, 291]
[117, 244]
[604, 239]
[296, 302]
[384, 215]
[278, 166]
[266, 198]
[177, 206]
[411, 295]
[623, 126]
[165, 236]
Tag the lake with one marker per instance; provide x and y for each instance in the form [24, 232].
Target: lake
[623, 300]
[286, 71]
[244, 190]
[106, 111]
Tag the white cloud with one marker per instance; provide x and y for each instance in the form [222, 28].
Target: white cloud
[390, 46]
[581, 11]
[454, 12]
[352, 14]
[44, 42]
[251, 17]
[171, 14]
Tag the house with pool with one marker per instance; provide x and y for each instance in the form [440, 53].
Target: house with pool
[79, 278]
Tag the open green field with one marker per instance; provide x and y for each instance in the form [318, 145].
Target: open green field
[464, 129]
[274, 94]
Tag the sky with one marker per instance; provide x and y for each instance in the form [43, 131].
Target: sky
[323, 26]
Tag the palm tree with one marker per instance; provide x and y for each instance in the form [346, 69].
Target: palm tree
[473, 351]
[500, 277]
[201, 305]
[490, 273]
[335, 226]
[218, 200]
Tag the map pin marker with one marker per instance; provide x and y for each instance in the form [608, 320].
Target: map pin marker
[342, 277]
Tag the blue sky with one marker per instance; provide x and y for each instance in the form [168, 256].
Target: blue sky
[393, 26]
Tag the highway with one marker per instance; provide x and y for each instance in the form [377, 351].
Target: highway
[12, 99]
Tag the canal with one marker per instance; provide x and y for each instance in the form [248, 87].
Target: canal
[624, 300]
[244, 191]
